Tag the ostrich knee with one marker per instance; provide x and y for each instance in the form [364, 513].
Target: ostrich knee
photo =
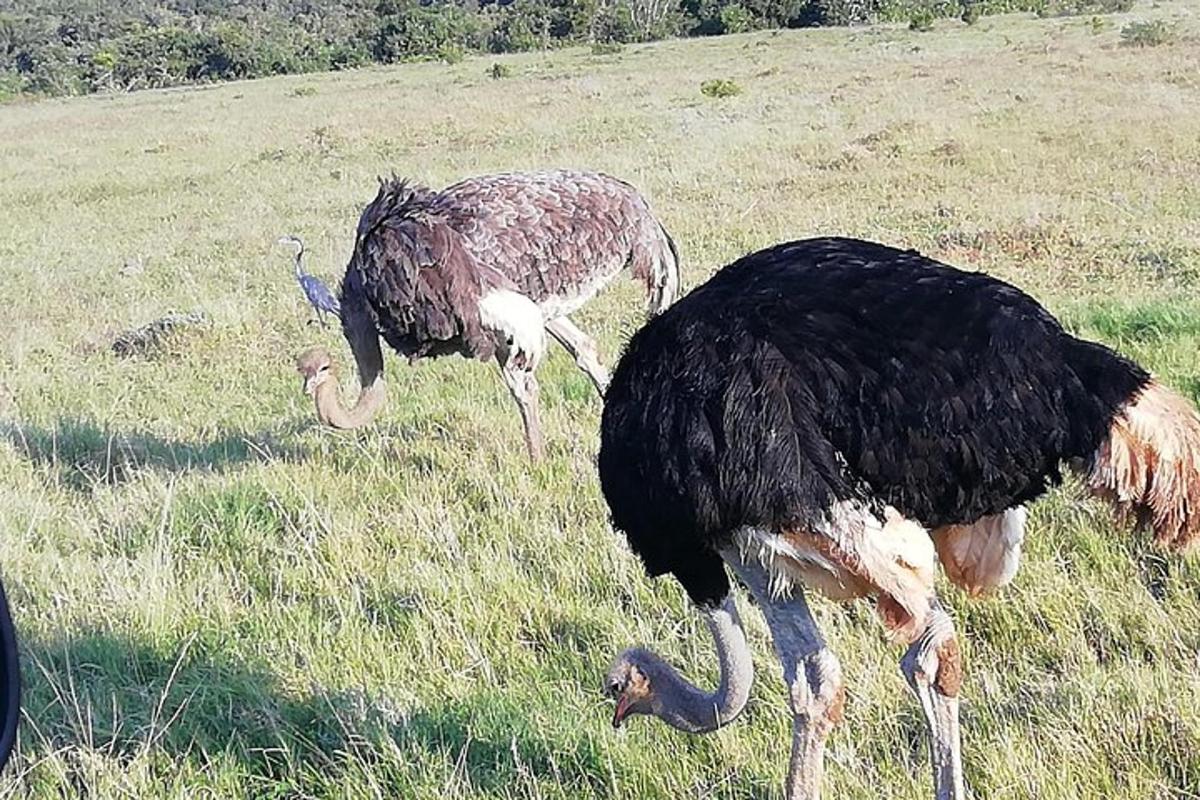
[583, 348]
[818, 697]
[588, 360]
[933, 667]
[816, 690]
[524, 388]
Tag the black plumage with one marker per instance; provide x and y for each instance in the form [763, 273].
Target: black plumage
[836, 369]
[10, 682]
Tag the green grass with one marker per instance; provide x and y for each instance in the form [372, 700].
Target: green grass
[217, 598]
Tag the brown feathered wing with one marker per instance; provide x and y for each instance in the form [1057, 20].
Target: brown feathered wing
[560, 236]
[420, 283]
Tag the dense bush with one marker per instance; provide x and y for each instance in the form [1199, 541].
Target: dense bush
[720, 87]
[1147, 34]
[79, 46]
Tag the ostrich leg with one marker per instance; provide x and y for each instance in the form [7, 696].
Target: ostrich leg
[812, 673]
[582, 349]
[933, 667]
[524, 387]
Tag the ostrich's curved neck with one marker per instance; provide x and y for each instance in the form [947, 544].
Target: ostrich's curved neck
[333, 413]
[681, 705]
[364, 343]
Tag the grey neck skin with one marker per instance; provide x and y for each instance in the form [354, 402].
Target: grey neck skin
[333, 413]
[681, 705]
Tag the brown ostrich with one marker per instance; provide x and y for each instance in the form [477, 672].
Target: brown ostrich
[485, 268]
[838, 415]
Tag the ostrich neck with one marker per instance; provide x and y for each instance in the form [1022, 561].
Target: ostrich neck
[333, 413]
[681, 705]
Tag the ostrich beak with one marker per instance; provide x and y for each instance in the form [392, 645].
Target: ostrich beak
[310, 385]
[621, 711]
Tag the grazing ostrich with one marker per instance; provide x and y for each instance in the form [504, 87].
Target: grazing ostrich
[839, 415]
[484, 269]
[315, 290]
[10, 681]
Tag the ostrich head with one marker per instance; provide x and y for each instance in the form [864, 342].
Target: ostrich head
[629, 684]
[642, 683]
[319, 371]
[316, 366]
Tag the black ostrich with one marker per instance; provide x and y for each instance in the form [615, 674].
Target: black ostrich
[839, 415]
[10, 682]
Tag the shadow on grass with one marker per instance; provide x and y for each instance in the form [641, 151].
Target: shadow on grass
[80, 454]
[202, 708]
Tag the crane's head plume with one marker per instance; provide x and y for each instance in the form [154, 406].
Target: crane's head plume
[629, 684]
[316, 366]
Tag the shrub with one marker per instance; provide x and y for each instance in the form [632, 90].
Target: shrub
[536, 24]
[11, 85]
[842, 12]
[606, 48]
[921, 20]
[970, 13]
[1072, 8]
[1147, 34]
[736, 19]
[499, 71]
[720, 87]
[418, 31]
[451, 53]
[611, 23]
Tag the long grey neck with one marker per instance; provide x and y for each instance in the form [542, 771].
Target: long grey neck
[681, 705]
[331, 411]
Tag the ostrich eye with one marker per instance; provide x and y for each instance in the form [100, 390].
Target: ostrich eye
[614, 688]
[323, 368]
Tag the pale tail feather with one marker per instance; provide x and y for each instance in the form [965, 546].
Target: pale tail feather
[663, 284]
[984, 555]
[1149, 465]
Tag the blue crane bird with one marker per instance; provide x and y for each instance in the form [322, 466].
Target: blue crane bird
[318, 294]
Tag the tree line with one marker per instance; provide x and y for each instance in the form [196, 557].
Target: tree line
[59, 47]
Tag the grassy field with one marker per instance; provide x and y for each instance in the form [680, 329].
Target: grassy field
[218, 599]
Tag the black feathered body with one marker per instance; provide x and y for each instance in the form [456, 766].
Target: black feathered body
[424, 259]
[10, 681]
[835, 370]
